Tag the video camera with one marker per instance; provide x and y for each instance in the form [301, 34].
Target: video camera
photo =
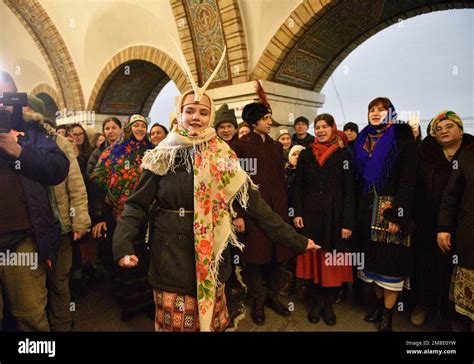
[15, 119]
[15, 99]
[5, 122]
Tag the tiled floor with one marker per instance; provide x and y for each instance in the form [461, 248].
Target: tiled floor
[99, 311]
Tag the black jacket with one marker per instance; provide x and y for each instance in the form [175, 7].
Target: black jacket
[324, 197]
[172, 265]
[457, 208]
[385, 258]
[432, 175]
[306, 142]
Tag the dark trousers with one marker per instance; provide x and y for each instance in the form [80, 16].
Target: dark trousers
[264, 279]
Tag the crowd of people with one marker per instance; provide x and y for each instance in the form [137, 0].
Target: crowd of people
[186, 220]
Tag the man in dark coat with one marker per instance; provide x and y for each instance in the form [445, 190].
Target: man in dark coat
[432, 275]
[262, 157]
[30, 161]
[301, 136]
[226, 124]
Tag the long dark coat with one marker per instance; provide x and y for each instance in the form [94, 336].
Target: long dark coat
[269, 175]
[432, 175]
[385, 258]
[324, 197]
[433, 269]
[457, 208]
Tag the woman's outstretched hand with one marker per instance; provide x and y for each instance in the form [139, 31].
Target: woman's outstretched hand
[312, 246]
[128, 261]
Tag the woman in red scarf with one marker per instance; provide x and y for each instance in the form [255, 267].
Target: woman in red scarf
[325, 211]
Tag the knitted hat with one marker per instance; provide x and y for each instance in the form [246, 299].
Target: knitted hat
[283, 132]
[301, 119]
[36, 104]
[445, 115]
[351, 126]
[225, 115]
[254, 112]
[295, 149]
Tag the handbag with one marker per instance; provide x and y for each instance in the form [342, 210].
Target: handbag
[379, 225]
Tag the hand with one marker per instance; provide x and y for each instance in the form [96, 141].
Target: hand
[444, 242]
[239, 224]
[346, 233]
[97, 229]
[128, 261]
[9, 145]
[298, 221]
[393, 228]
[414, 121]
[312, 246]
[77, 235]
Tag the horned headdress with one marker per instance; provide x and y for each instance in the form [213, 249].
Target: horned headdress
[196, 90]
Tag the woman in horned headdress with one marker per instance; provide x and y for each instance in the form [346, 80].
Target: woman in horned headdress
[194, 178]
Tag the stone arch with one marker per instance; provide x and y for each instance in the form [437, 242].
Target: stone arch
[50, 91]
[228, 30]
[149, 57]
[49, 41]
[319, 35]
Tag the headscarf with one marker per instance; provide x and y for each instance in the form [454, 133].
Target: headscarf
[322, 151]
[218, 182]
[118, 169]
[376, 152]
[445, 115]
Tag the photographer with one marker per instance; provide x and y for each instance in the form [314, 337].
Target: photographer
[29, 163]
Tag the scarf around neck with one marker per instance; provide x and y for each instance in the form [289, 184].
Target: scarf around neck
[218, 182]
[322, 151]
[375, 155]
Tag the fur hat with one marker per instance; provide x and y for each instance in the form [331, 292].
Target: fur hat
[225, 115]
[254, 112]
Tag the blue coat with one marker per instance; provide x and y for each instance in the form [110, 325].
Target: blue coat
[41, 164]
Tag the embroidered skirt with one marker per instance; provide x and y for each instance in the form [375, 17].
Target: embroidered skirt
[462, 287]
[179, 312]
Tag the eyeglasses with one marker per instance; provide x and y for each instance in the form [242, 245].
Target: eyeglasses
[77, 135]
[439, 129]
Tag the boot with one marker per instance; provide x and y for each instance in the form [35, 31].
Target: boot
[386, 323]
[419, 315]
[258, 313]
[376, 314]
[276, 305]
[314, 314]
[329, 316]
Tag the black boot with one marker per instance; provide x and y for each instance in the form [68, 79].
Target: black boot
[376, 314]
[258, 313]
[386, 323]
[314, 314]
[329, 316]
[276, 305]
